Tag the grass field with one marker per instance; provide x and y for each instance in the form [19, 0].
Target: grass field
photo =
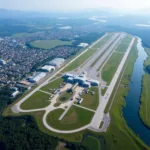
[92, 143]
[53, 85]
[147, 61]
[75, 118]
[111, 66]
[124, 44]
[49, 44]
[104, 40]
[37, 100]
[89, 100]
[65, 97]
[145, 96]
[79, 61]
[145, 100]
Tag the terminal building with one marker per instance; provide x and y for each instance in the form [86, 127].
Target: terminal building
[57, 62]
[81, 79]
[47, 68]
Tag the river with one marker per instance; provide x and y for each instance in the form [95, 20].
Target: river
[131, 110]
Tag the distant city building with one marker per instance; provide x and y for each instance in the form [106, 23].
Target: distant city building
[83, 45]
[2, 62]
[47, 68]
[37, 77]
[14, 93]
[25, 85]
[57, 62]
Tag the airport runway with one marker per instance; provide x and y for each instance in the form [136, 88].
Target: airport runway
[98, 117]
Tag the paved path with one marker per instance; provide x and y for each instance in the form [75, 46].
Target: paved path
[84, 107]
[98, 117]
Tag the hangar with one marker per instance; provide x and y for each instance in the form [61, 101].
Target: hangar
[57, 62]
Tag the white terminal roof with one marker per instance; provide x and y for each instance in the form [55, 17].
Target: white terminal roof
[48, 68]
[38, 77]
[57, 62]
[83, 44]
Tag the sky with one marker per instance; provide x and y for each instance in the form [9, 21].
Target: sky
[65, 5]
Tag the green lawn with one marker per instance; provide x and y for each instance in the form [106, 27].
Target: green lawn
[75, 118]
[124, 44]
[111, 66]
[53, 85]
[65, 97]
[104, 40]
[145, 97]
[145, 100]
[147, 61]
[49, 44]
[89, 100]
[92, 143]
[37, 100]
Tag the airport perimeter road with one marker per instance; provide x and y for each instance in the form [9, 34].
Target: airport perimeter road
[17, 106]
[98, 117]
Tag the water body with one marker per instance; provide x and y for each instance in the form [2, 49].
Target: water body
[131, 111]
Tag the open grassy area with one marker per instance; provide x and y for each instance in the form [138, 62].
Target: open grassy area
[145, 96]
[89, 100]
[111, 66]
[124, 44]
[92, 143]
[79, 61]
[104, 40]
[145, 100]
[75, 118]
[49, 44]
[147, 61]
[37, 100]
[53, 85]
[65, 97]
